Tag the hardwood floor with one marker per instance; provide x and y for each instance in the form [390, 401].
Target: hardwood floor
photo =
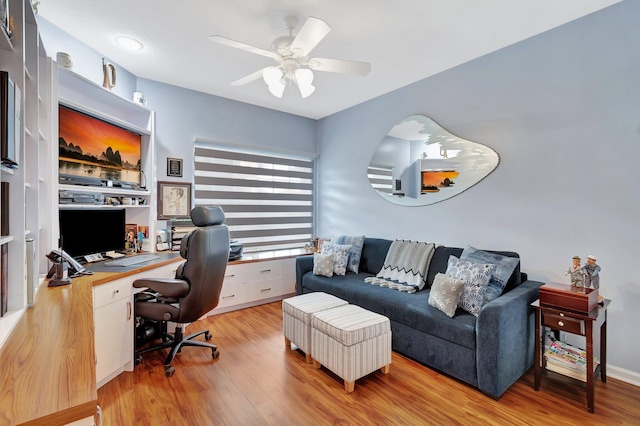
[257, 381]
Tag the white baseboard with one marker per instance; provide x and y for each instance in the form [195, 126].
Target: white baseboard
[627, 376]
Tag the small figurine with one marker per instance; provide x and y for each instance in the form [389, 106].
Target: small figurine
[591, 273]
[576, 272]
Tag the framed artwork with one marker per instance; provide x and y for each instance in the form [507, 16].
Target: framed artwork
[174, 200]
[174, 167]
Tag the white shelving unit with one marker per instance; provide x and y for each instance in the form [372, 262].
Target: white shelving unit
[23, 57]
[80, 93]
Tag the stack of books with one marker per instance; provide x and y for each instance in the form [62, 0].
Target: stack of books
[568, 360]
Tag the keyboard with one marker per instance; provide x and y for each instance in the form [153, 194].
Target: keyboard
[132, 260]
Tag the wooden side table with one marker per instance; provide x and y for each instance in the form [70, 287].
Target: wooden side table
[583, 324]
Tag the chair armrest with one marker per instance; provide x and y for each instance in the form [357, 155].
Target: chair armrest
[505, 338]
[304, 264]
[169, 287]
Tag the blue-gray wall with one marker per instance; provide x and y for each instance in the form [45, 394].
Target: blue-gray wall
[562, 109]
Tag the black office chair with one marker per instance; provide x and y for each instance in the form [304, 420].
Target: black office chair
[192, 293]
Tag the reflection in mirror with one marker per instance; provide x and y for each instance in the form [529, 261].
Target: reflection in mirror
[420, 163]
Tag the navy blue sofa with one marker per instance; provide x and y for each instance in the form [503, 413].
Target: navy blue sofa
[489, 352]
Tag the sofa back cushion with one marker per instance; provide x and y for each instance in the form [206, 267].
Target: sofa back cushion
[374, 252]
[441, 257]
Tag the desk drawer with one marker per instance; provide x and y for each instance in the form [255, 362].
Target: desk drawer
[104, 294]
[559, 321]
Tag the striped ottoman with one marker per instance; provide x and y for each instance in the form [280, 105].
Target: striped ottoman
[297, 312]
[351, 341]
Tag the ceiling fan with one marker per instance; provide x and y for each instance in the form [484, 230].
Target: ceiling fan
[291, 54]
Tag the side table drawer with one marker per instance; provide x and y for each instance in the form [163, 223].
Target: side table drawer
[563, 323]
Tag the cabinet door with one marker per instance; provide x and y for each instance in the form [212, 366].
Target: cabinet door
[114, 332]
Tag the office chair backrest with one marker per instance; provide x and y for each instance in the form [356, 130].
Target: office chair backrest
[206, 250]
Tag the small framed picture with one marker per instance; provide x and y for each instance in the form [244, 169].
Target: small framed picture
[174, 167]
[174, 200]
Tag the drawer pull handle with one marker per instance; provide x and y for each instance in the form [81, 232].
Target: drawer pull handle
[264, 290]
[561, 323]
[228, 297]
[129, 307]
[264, 271]
[116, 291]
[230, 276]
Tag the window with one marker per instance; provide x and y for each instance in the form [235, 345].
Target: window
[267, 198]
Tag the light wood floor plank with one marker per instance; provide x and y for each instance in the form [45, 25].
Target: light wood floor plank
[257, 381]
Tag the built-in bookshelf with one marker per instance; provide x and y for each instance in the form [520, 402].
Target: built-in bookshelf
[83, 94]
[23, 191]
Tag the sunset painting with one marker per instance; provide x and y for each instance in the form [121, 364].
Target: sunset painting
[90, 147]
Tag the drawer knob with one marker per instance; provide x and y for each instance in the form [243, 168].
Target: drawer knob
[116, 291]
[561, 323]
[561, 314]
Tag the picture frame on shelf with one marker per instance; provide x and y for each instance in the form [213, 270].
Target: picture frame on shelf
[174, 200]
[174, 167]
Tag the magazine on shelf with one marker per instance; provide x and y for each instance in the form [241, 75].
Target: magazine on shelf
[566, 359]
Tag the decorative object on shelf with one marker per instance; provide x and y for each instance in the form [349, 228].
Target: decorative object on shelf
[130, 238]
[138, 97]
[109, 75]
[64, 60]
[174, 167]
[34, 5]
[576, 272]
[591, 273]
[418, 163]
[174, 200]
[4, 208]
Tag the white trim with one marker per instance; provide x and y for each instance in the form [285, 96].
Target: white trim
[628, 376]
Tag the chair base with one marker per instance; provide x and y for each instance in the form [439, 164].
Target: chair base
[176, 342]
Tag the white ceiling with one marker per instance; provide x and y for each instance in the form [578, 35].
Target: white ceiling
[404, 40]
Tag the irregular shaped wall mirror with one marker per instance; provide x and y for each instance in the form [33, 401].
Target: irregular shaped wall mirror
[420, 163]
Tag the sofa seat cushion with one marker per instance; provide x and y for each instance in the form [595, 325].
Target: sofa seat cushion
[412, 310]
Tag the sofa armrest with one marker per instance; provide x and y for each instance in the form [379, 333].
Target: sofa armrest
[304, 264]
[505, 337]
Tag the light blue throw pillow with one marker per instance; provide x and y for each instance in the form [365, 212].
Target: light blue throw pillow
[504, 268]
[476, 278]
[340, 256]
[356, 243]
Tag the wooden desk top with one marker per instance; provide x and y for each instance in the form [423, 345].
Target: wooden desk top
[47, 364]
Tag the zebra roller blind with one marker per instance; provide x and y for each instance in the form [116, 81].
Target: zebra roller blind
[267, 198]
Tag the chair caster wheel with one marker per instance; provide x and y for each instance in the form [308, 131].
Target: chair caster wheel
[168, 371]
[138, 359]
[207, 336]
[215, 353]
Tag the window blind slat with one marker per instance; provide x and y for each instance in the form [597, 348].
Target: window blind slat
[267, 198]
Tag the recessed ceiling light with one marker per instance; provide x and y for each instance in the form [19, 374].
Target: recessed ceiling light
[128, 43]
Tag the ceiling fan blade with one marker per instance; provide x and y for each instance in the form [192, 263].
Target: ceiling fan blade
[243, 46]
[311, 33]
[340, 66]
[248, 79]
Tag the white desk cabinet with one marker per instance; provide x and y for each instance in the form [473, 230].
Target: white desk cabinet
[113, 318]
[254, 283]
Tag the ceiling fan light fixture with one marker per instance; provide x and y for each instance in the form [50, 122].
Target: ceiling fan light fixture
[304, 78]
[274, 77]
